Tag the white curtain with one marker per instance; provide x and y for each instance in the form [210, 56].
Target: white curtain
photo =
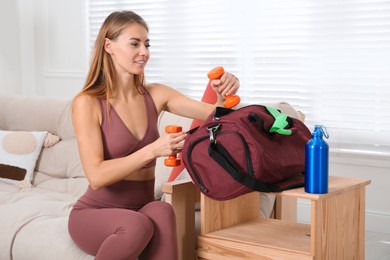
[330, 59]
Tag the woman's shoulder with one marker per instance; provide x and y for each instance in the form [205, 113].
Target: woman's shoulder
[87, 108]
[159, 89]
[85, 101]
[155, 87]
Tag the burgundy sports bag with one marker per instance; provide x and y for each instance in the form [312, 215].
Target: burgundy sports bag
[252, 148]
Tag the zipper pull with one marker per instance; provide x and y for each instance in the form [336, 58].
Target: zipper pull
[212, 130]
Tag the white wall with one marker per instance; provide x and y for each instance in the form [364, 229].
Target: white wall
[42, 52]
[10, 61]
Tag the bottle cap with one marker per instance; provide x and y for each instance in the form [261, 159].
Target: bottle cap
[321, 130]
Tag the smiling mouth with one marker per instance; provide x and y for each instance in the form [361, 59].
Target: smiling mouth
[140, 62]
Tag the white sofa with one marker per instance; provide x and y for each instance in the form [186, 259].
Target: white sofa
[33, 221]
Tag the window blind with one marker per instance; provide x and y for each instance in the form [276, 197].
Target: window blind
[329, 59]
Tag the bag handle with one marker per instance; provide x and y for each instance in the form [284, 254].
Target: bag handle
[259, 121]
[222, 111]
[280, 123]
[278, 126]
[224, 159]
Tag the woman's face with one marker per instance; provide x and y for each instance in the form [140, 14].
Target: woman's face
[130, 50]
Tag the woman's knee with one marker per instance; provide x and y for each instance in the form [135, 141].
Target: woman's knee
[162, 216]
[138, 226]
[158, 209]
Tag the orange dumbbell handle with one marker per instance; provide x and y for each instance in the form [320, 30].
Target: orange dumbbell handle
[172, 160]
[173, 129]
[216, 73]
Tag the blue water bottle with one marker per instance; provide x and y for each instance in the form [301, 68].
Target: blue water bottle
[316, 162]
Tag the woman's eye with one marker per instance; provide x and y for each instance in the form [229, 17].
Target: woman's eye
[134, 44]
[147, 45]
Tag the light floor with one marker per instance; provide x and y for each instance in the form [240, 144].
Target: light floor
[377, 246]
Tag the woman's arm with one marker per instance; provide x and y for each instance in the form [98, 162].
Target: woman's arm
[170, 100]
[100, 172]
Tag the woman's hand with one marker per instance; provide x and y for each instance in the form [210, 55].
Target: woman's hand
[227, 85]
[169, 144]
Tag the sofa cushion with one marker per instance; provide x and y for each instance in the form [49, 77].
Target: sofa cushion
[22, 207]
[51, 241]
[61, 160]
[73, 186]
[19, 151]
[36, 114]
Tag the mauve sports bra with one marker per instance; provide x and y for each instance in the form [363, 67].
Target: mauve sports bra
[118, 141]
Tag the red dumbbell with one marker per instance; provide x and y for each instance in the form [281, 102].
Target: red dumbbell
[172, 160]
[230, 101]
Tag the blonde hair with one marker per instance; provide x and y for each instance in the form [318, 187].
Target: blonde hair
[101, 76]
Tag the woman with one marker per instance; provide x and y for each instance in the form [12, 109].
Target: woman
[115, 120]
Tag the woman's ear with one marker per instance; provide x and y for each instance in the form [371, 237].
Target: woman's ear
[107, 45]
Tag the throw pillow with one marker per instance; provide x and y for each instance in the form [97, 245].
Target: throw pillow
[19, 151]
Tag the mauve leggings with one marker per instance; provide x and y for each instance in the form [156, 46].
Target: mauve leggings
[113, 233]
